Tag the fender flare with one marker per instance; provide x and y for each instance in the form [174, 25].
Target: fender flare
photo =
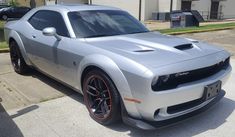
[14, 35]
[114, 72]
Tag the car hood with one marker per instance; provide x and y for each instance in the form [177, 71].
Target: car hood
[154, 49]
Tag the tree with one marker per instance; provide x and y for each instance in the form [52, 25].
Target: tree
[13, 3]
[32, 3]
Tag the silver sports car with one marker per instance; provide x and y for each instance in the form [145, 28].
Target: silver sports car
[124, 71]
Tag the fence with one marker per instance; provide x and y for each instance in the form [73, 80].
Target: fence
[207, 15]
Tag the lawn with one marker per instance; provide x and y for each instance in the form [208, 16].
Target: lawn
[212, 27]
[2, 23]
[3, 45]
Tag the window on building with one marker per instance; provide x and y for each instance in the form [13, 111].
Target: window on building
[186, 5]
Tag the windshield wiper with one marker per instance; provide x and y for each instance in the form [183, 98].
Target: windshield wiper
[101, 35]
[139, 32]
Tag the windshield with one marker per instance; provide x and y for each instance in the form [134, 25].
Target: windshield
[87, 24]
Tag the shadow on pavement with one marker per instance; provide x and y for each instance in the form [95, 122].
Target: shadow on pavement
[57, 85]
[8, 127]
[211, 119]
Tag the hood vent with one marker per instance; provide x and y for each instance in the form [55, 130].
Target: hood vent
[184, 47]
[147, 50]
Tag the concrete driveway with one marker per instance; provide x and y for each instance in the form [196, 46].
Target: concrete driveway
[37, 106]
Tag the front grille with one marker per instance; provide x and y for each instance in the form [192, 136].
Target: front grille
[190, 76]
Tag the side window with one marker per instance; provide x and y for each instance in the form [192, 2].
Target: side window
[45, 18]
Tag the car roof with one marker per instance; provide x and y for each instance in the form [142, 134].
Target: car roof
[76, 7]
[65, 8]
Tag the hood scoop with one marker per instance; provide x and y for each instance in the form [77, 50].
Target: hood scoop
[184, 47]
[143, 49]
[147, 50]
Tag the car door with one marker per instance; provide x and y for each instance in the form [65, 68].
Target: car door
[43, 50]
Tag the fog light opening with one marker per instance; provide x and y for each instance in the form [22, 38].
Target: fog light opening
[156, 113]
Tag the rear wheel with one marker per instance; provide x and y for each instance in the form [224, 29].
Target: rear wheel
[101, 98]
[4, 17]
[17, 60]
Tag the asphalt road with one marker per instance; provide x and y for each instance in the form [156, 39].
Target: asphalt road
[37, 106]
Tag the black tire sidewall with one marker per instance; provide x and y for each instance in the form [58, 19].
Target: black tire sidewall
[23, 68]
[115, 114]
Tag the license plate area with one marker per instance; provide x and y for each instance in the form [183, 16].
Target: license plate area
[212, 90]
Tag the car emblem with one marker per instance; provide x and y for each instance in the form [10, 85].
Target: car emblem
[181, 74]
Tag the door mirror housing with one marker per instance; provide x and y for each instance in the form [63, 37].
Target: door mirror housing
[50, 31]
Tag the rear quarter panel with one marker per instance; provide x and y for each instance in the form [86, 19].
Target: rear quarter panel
[12, 31]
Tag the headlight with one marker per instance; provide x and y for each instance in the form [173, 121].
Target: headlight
[165, 78]
[160, 83]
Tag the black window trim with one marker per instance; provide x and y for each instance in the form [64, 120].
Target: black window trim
[69, 35]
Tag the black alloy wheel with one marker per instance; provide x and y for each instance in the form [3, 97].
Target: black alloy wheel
[101, 98]
[17, 60]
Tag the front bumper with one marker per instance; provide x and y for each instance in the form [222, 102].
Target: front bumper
[151, 125]
[155, 105]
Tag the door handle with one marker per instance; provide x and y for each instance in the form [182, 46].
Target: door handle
[33, 36]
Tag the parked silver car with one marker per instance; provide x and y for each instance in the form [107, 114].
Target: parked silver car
[123, 70]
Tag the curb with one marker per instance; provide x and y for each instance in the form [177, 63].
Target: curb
[199, 31]
[6, 50]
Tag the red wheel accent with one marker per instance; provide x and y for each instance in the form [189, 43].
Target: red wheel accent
[98, 97]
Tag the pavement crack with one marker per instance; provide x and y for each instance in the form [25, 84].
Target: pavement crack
[4, 73]
[14, 93]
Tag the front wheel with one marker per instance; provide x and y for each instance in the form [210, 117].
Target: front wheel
[101, 98]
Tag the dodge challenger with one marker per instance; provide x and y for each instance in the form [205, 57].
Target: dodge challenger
[123, 70]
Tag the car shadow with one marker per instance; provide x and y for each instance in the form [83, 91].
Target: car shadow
[211, 119]
[8, 127]
[56, 85]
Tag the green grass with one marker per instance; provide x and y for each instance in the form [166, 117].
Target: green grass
[2, 23]
[3, 45]
[212, 27]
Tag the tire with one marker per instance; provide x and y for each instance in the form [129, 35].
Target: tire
[17, 60]
[101, 98]
[4, 17]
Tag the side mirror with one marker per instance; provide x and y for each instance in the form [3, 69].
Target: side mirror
[50, 31]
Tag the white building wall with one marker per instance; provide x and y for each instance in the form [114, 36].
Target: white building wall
[132, 6]
[164, 5]
[72, 1]
[203, 6]
[148, 7]
[227, 8]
